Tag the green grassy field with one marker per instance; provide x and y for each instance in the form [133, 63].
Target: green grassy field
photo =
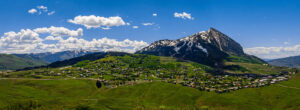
[83, 94]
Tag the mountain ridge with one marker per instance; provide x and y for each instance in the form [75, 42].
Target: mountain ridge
[293, 61]
[12, 62]
[51, 57]
[209, 47]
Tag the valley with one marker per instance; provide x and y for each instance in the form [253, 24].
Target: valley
[114, 71]
[149, 55]
[207, 70]
[83, 94]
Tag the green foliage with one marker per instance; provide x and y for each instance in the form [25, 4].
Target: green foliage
[24, 105]
[82, 63]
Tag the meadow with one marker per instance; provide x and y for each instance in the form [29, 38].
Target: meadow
[83, 94]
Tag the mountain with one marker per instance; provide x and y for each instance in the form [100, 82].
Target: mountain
[88, 57]
[293, 61]
[53, 57]
[210, 47]
[12, 62]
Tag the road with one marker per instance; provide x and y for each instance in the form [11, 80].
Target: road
[288, 86]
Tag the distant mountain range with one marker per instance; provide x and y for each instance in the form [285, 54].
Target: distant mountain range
[20, 61]
[293, 62]
[57, 56]
[210, 47]
[12, 62]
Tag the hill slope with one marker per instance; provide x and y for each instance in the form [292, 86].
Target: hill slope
[293, 62]
[12, 62]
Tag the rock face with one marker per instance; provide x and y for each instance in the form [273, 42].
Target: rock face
[207, 47]
[223, 42]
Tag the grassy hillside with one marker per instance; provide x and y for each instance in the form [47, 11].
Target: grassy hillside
[136, 68]
[12, 62]
[138, 81]
[83, 94]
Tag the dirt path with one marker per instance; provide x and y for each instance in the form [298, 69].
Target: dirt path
[288, 86]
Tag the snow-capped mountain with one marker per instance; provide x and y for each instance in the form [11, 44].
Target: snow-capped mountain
[208, 47]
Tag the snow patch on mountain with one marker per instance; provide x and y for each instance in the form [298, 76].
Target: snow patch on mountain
[202, 48]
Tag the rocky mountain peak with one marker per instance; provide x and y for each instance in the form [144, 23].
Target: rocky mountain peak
[224, 43]
[205, 46]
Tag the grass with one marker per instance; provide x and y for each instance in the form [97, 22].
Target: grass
[83, 94]
[256, 68]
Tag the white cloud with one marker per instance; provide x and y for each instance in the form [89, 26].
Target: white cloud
[51, 13]
[274, 52]
[44, 8]
[29, 41]
[154, 14]
[286, 43]
[183, 15]
[53, 38]
[135, 27]
[19, 42]
[40, 10]
[93, 21]
[32, 11]
[147, 24]
[60, 31]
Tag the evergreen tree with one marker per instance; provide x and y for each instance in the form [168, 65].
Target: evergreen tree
[98, 84]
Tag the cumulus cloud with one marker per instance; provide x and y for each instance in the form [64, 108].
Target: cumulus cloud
[147, 24]
[25, 40]
[93, 21]
[135, 27]
[29, 41]
[60, 31]
[274, 52]
[32, 11]
[183, 15]
[154, 14]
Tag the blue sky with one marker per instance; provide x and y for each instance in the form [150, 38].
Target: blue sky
[258, 25]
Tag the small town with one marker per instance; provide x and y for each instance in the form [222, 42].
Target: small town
[113, 72]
